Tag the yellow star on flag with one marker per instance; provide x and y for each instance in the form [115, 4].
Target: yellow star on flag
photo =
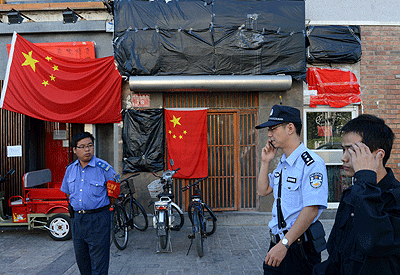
[175, 120]
[45, 83]
[52, 77]
[184, 132]
[169, 132]
[29, 60]
[55, 68]
[173, 136]
[180, 137]
[48, 58]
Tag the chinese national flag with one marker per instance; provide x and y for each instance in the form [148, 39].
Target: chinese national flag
[60, 89]
[186, 131]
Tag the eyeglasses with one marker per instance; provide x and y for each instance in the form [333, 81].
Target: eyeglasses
[89, 146]
[276, 126]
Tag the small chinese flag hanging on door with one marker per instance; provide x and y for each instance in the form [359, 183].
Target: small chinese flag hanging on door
[186, 131]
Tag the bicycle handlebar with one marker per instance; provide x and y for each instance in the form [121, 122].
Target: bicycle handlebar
[10, 172]
[126, 180]
[193, 184]
[166, 172]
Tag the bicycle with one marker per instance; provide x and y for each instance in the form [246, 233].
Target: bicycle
[203, 219]
[128, 214]
[167, 215]
[2, 193]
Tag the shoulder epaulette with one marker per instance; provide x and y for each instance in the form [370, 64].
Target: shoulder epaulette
[103, 165]
[307, 158]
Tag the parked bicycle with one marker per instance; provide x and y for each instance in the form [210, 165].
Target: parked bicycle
[128, 214]
[167, 215]
[203, 219]
[2, 193]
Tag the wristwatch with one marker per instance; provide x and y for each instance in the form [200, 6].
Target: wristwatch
[285, 242]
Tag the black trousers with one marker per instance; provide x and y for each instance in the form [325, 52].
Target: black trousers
[91, 238]
[295, 261]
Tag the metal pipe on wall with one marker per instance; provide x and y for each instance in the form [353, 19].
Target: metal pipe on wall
[211, 83]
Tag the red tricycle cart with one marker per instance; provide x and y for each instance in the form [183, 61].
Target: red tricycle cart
[42, 205]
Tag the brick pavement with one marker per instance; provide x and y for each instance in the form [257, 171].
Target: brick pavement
[231, 250]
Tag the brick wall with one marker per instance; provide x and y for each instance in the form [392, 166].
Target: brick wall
[380, 80]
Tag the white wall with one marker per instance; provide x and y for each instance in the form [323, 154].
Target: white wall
[352, 12]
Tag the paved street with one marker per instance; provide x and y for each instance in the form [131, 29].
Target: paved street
[233, 249]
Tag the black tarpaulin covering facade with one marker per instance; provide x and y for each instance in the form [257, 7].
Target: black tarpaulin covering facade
[222, 37]
[333, 44]
[143, 140]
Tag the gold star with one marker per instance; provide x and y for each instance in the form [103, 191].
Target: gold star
[45, 83]
[169, 132]
[185, 132]
[180, 137]
[48, 58]
[175, 121]
[52, 77]
[55, 68]
[174, 136]
[29, 60]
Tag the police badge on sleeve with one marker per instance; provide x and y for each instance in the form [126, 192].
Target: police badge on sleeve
[316, 180]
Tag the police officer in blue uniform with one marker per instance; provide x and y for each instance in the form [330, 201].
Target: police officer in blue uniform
[85, 183]
[300, 188]
[365, 238]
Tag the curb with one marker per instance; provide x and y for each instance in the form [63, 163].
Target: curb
[233, 218]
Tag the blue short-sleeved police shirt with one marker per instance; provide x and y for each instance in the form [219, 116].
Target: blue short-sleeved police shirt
[87, 187]
[304, 183]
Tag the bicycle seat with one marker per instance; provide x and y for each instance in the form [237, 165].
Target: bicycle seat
[171, 196]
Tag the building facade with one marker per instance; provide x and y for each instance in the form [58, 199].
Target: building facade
[234, 113]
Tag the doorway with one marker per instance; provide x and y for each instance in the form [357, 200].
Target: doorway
[231, 139]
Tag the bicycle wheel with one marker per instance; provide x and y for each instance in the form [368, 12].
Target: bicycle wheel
[210, 223]
[119, 229]
[162, 230]
[138, 214]
[177, 219]
[198, 236]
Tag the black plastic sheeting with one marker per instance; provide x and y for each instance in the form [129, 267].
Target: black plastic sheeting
[221, 37]
[143, 140]
[334, 44]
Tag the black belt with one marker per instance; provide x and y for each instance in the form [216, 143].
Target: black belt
[276, 238]
[93, 210]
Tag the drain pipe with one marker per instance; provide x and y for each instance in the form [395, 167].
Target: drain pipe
[211, 83]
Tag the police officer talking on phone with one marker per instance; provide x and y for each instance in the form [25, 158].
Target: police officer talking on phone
[300, 188]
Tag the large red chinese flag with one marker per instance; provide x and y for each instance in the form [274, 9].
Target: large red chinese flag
[55, 88]
[186, 131]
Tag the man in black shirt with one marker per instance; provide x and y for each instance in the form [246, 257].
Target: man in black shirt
[365, 238]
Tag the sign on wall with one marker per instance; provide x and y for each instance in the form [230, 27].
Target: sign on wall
[140, 100]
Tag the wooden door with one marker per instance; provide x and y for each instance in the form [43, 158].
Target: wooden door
[231, 137]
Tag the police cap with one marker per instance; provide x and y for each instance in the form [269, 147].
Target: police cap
[280, 114]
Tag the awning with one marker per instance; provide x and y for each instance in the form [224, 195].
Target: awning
[211, 83]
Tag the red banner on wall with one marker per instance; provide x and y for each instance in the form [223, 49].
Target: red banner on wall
[54, 88]
[81, 50]
[336, 88]
[186, 131]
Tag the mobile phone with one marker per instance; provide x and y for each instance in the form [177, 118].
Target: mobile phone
[270, 142]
